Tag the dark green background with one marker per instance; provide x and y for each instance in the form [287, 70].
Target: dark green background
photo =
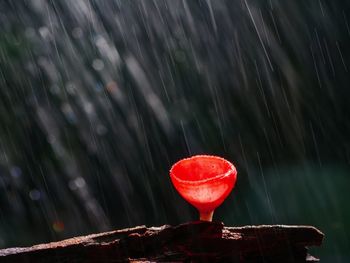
[99, 98]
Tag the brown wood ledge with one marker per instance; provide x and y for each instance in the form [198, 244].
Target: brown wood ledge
[190, 242]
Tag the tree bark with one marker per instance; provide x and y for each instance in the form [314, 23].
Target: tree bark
[191, 242]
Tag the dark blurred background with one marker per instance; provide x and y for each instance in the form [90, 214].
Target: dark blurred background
[99, 98]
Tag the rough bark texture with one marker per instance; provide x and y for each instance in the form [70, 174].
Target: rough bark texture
[190, 242]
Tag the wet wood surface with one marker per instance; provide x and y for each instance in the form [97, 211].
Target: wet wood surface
[189, 242]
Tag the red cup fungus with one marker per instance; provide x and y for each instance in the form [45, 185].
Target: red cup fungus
[204, 181]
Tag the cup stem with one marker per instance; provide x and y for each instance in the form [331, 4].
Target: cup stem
[206, 216]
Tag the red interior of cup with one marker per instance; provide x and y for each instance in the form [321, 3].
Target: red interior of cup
[204, 181]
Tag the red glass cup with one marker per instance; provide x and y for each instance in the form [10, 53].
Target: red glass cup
[204, 181]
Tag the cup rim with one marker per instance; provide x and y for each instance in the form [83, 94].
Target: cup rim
[229, 171]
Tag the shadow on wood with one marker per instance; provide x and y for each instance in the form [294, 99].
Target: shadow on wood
[194, 242]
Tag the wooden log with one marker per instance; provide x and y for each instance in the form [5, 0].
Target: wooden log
[190, 242]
